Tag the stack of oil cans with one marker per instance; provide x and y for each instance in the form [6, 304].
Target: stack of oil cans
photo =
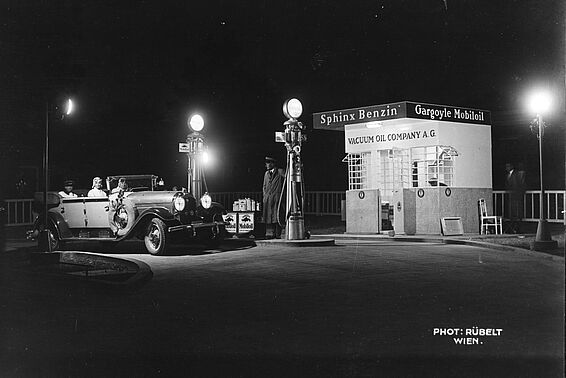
[245, 204]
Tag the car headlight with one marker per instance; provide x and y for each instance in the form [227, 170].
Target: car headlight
[179, 203]
[206, 201]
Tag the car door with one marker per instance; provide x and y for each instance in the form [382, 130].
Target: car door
[96, 212]
[73, 211]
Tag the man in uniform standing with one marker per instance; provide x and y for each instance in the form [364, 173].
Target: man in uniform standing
[272, 187]
[515, 184]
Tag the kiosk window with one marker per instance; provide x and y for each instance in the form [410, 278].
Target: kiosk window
[432, 166]
[358, 166]
[393, 171]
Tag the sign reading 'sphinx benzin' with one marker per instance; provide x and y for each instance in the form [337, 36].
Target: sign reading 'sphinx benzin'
[335, 120]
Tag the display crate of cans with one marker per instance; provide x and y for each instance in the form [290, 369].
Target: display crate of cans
[245, 204]
[244, 216]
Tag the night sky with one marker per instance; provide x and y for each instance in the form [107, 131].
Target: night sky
[138, 69]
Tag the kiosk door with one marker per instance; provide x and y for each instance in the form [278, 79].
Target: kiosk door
[404, 219]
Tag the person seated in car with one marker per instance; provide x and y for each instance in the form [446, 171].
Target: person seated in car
[122, 186]
[68, 191]
[96, 190]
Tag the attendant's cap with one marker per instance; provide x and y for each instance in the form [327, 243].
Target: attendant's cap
[69, 183]
[270, 159]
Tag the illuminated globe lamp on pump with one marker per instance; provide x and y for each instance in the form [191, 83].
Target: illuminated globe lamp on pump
[294, 188]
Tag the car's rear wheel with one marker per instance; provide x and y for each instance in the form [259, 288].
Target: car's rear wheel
[54, 240]
[49, 238]
[156, 237]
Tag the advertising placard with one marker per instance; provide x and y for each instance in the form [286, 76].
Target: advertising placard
[337, 119]
[231, 219]
[245, 222]
[184, 147]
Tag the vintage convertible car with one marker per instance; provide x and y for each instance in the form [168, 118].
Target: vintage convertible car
[142, 210]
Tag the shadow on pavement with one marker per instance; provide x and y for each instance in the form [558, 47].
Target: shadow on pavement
[174, 249]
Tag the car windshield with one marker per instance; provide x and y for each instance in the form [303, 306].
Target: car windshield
[133, 183]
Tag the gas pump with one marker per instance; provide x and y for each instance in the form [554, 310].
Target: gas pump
[196, 148]
[294, 185]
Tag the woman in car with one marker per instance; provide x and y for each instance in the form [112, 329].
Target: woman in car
[96, 190]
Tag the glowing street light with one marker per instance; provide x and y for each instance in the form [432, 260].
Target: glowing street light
[540, 103]
[206, 157]
[44, 237]
[69, 108]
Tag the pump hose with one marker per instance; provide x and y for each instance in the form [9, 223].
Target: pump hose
[282, 219]
[204, 181]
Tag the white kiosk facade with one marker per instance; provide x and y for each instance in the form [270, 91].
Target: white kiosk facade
[412, 164]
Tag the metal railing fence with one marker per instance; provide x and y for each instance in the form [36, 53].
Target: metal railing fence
[20, 211]
[316, 203]
[554, 204]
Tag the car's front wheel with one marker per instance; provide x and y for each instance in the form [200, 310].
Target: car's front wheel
[156, 237]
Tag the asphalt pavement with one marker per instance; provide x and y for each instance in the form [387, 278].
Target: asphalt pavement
[365, 307]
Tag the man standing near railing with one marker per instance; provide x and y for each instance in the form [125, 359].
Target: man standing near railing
[272, 187]
[515, 183]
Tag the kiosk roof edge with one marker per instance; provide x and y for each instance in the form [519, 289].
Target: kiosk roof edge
[336, 119]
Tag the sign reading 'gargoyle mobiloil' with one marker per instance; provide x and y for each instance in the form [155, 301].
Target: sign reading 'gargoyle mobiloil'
[337, 119]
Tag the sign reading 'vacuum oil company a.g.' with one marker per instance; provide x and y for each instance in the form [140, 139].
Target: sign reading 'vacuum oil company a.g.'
[335, 120]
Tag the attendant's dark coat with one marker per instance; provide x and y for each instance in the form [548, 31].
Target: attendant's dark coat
[272, 187]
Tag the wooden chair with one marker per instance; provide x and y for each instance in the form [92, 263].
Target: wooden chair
[488, 221]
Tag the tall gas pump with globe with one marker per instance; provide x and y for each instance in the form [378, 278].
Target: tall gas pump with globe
[195, 149]
[293, 137]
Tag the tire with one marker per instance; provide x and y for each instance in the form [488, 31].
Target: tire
[156, 239]
[53, 239]
[121, 217]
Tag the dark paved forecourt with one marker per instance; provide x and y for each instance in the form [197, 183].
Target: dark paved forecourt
[361, 308]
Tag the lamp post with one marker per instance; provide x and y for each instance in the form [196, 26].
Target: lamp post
[44, 236]
[196, 150]
[540, 103]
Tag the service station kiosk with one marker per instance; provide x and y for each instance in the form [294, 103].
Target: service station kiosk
[413, 166]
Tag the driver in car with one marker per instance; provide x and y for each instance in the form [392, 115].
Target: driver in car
[122, 186]
[68, 191]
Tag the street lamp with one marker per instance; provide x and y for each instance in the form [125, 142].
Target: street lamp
[196, 149]
[540, 103]
[44, 237]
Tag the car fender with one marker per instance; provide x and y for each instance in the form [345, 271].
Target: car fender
[155, 212]
[216, 208]
[60, 225]
[56, 221]
[208, 214]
